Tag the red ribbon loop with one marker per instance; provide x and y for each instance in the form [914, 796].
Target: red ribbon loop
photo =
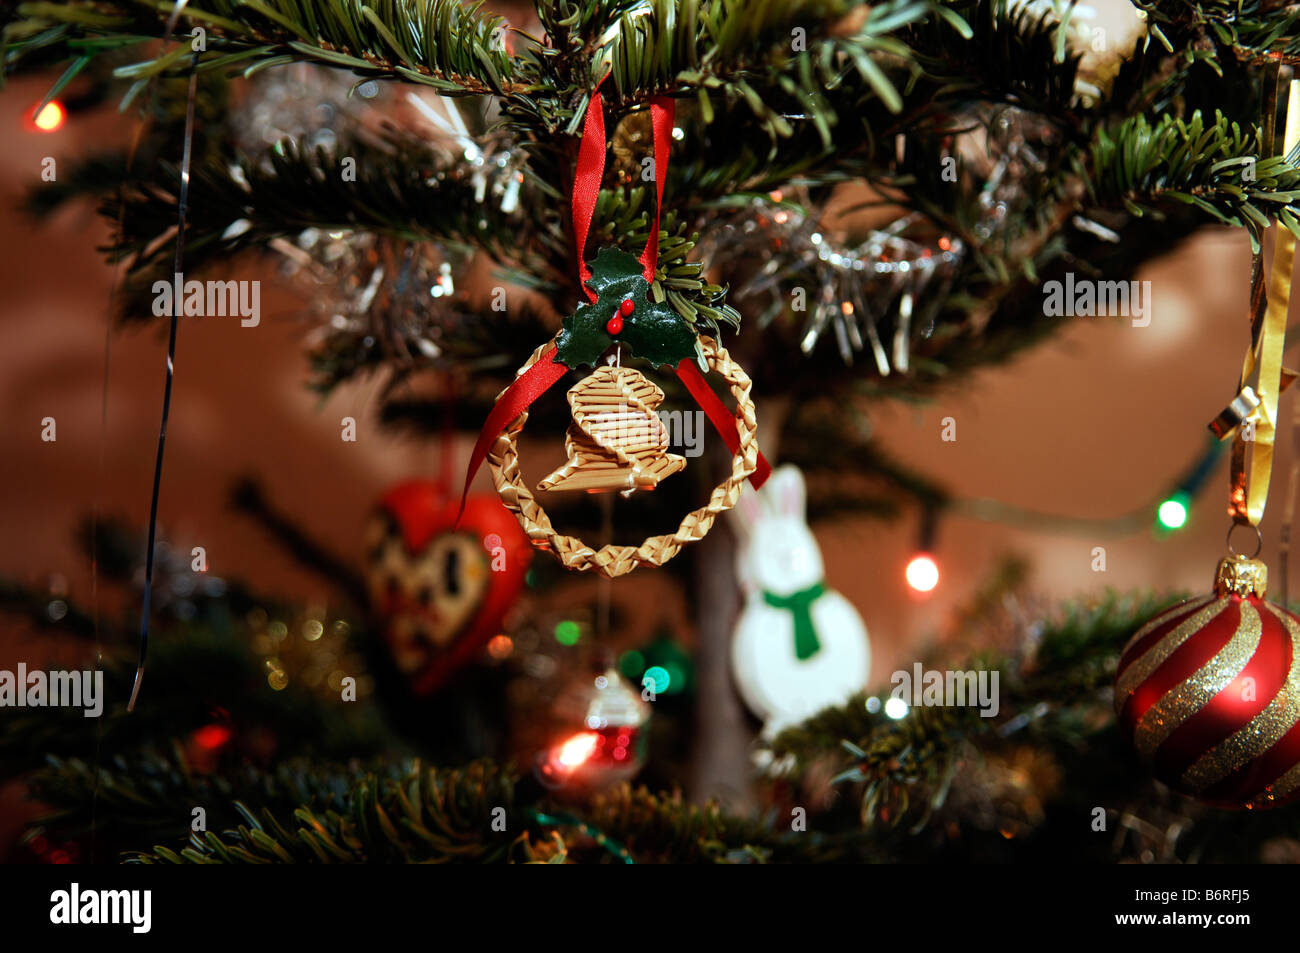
[724, 422]
[586, 184]
[662, 110]
[591, 169]
[516, 398]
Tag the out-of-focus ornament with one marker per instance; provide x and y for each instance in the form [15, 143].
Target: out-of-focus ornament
[205, 745]
[602, 738]
[380, 301]
[492, 166]
[303, 103]
[1209, 691]
[440, 590]
[799, 646]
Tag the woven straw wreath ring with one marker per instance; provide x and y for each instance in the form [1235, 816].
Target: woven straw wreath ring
[615, 560]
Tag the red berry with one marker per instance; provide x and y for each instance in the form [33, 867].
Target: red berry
[614, 324]
[626, 307]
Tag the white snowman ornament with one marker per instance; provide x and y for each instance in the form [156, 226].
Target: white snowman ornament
[799, 646]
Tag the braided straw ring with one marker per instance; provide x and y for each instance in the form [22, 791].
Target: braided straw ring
[612, 560]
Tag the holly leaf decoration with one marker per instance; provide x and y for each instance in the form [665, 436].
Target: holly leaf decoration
[651, 330]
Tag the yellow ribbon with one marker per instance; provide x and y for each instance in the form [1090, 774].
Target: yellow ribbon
[1252, 459]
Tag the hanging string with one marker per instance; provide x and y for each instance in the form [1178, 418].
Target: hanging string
[132, 150]
[177, 269]
[604, 585]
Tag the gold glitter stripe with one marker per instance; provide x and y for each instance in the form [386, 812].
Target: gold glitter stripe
[1154, 657]
[1184, 606]
[1183, 701]
[1280, 789]
[1261, 732]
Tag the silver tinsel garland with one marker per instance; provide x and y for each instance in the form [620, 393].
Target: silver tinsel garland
[890, 283]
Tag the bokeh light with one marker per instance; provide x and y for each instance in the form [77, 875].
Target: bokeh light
[659, 678]
[1173, 512]
[50, 118]
[578, 749]
[922, 573]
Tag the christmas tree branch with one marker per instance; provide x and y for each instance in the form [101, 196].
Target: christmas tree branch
[1212, 167]
[438, 43]
[200, 653]
[937, 782]
[484, 814]
[152, 795]
[1008, 55]
[390, 187]
[1252, 29]
[905, 761]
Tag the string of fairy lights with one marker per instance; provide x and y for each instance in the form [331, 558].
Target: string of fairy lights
[1166, 513]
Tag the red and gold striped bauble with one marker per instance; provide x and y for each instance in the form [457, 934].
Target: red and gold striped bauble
[1209, 691]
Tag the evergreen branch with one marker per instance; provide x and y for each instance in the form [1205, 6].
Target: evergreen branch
[830, 130]
[423, 815]
[1214, 168]
[237, 203]
[152, 794]
[478, 814]
[1006, 55]
[693, 46]
[401, 190]
[927, 783]
[1250, 28]
[485, 346]
[199, 658]
[438, 43]
[1077, 652]
[903, 762]
[663, 828]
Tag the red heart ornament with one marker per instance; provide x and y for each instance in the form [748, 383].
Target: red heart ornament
[440, 591]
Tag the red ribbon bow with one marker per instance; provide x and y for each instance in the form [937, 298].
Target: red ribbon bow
[539, 378]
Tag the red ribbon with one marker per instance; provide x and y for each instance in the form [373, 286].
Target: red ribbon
[517, 398]
[586, 184]
[723, 421]
[662, 110]
[539, 378]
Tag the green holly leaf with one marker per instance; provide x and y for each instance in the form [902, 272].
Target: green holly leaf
[653, 331]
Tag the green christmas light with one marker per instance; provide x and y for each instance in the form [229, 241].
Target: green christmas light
[631, 663]
[567, 632]
[658, 677]
[1173, 511]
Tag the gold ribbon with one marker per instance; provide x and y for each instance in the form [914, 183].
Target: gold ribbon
[1252, 459]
